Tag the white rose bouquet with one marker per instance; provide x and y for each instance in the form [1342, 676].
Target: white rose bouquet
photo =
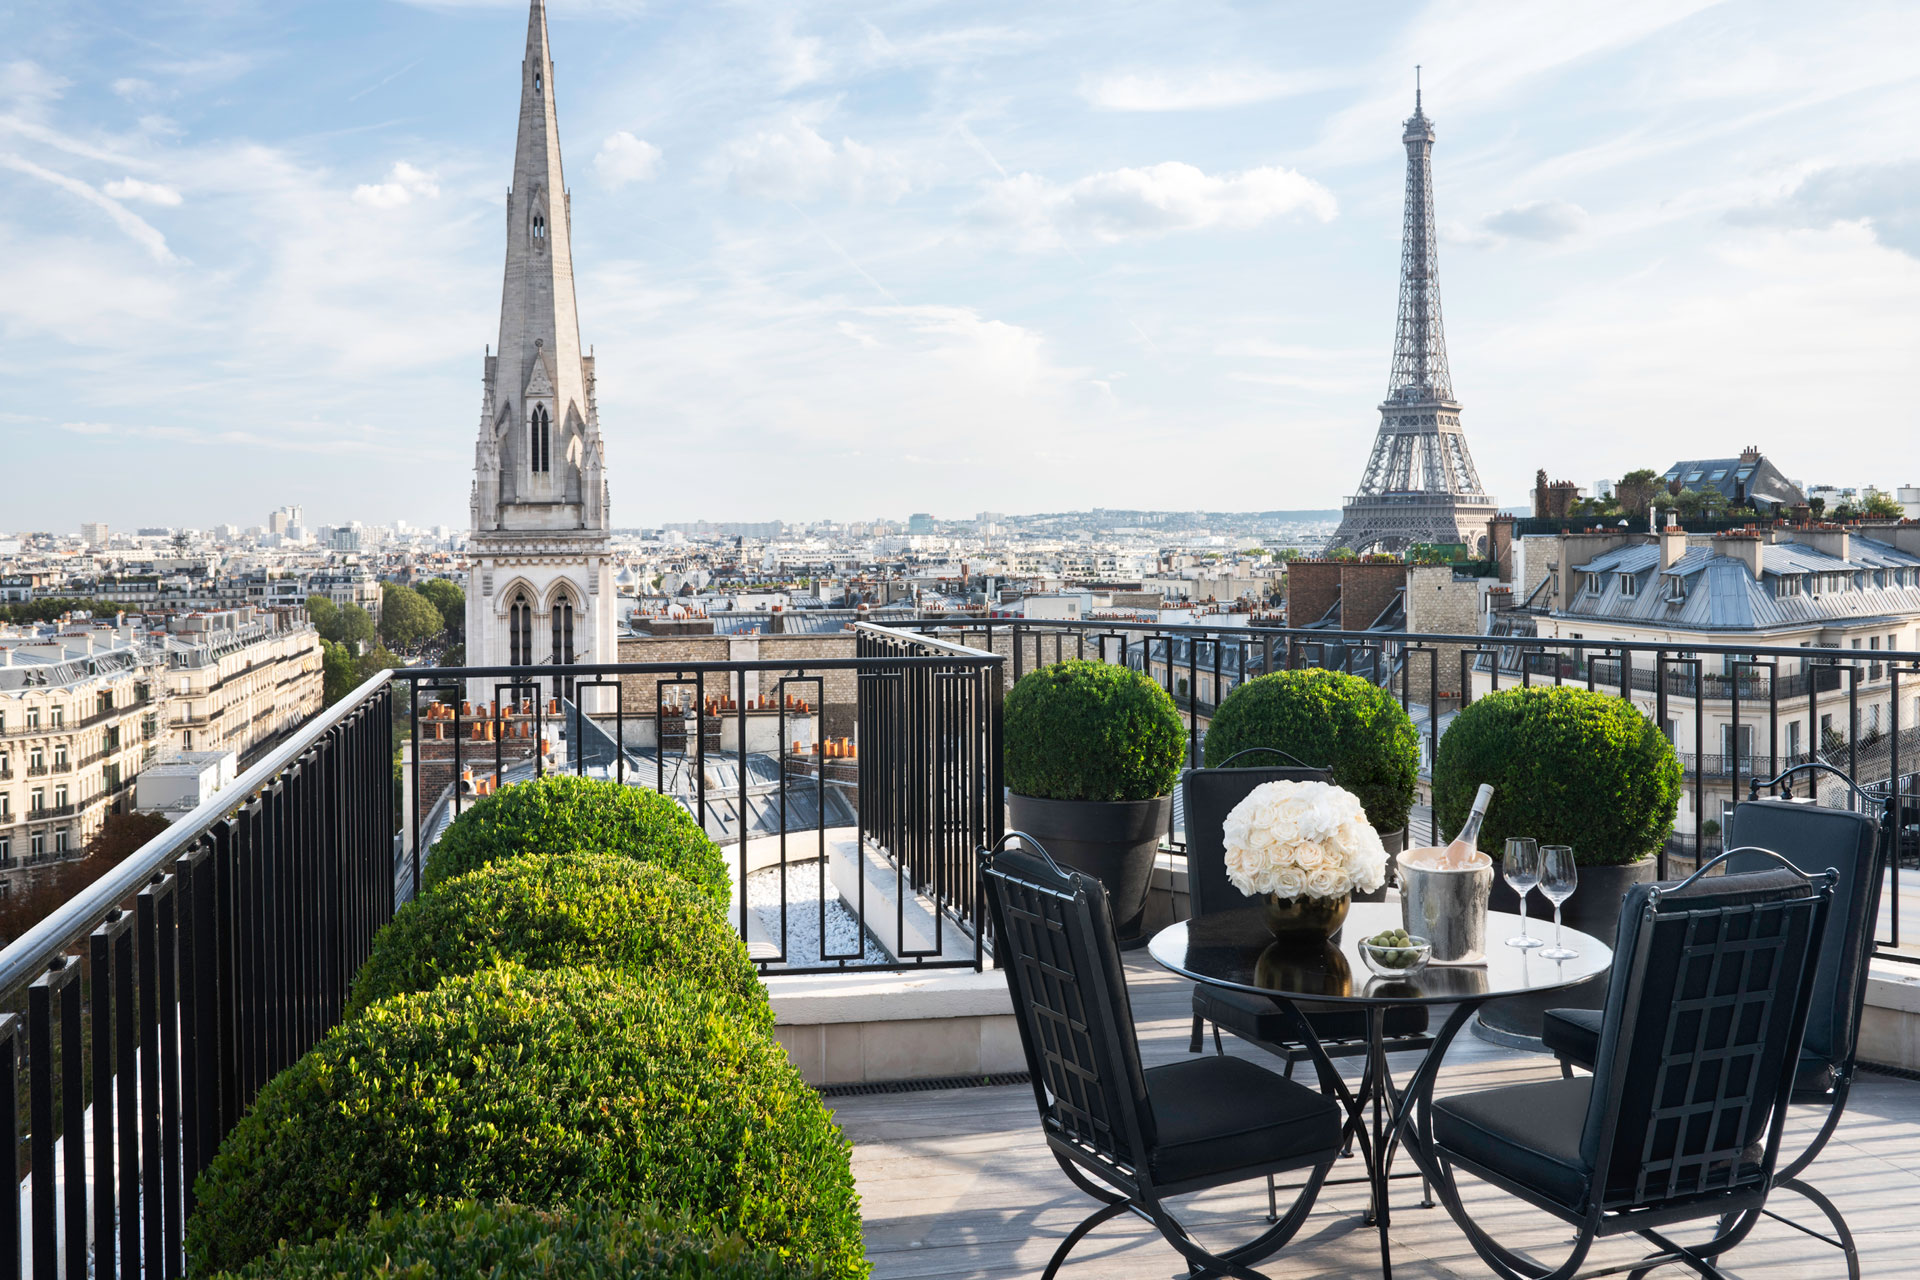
[1303, 840]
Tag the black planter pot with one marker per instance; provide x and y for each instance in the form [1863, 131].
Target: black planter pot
[1396, 844]
[1113, 841]
[1593, 909]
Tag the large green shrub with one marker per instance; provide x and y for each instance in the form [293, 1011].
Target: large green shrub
[562, 813]
[1568, 766]
[575, 910]
[511, 1242]
[1083, 730]
[1329, 720]
[545, 1088]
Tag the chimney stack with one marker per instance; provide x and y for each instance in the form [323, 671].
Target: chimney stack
[1673, 545]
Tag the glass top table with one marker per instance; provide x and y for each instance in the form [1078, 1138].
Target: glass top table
[1234, 949]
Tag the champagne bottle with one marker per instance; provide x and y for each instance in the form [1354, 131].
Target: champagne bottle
[1460, 853]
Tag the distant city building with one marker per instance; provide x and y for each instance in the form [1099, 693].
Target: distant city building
[1420, 484]
[95, 535]
[1746, 481]
[541, 579]
[919, 522]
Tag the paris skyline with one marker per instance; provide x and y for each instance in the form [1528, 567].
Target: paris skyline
[968, 260]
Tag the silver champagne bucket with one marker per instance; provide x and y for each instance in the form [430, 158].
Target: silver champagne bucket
[1447, 907]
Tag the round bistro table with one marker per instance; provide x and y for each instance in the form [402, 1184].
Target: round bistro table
[1234, 949]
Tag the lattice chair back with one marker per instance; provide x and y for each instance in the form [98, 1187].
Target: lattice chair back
[1208, 796]
[1705, 1012]
[1815, 838]
[1054, 936]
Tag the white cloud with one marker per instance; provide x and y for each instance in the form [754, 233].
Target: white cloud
[131, 87]
[623, 158]
[1203, 90]
[30, 85]
[150, 192]
[1545, 221]
[791, 161]
[142, 232]
[1170, 196]
[403, 184]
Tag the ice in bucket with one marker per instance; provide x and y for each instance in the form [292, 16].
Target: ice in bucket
[1447, 905]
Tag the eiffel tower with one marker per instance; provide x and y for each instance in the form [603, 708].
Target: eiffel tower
[1420, 485]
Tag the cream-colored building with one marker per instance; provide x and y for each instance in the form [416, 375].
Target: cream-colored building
[1845, 596]
[84, 707]
[77, 715]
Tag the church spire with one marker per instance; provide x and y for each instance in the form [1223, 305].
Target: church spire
[539, 461]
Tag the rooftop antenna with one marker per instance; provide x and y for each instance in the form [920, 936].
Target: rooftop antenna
[1416, 88]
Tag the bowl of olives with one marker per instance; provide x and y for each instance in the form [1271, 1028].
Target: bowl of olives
[1395, 953]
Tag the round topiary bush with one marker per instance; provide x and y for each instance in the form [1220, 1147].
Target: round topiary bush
[511, 1242]
[545, 1088]
[561, 813]
[573, 910]
[1084, 730]
[1328, 720]
[1568, 766]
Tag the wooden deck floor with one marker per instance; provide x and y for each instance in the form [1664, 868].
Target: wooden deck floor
[958, 1184]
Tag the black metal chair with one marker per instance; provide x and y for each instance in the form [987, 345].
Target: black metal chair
[1681, 1120]
[1129, 1136]
[1813, 838]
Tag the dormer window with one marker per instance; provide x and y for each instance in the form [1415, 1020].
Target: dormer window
[1628, 584]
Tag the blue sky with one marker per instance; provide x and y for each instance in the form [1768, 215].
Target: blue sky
[857, 259]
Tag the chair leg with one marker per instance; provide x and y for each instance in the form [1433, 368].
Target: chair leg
[1199, 1031]
[1832, 1211]
[1079, 1233]
[1273, 1200]
[1218, 1048]
[1505, 1263]
[1566, 1069]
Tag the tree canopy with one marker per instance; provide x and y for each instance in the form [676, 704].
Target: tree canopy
[339, 671]
[406, 616]
[446, 596]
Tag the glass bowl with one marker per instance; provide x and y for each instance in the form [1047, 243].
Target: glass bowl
[1397, 962]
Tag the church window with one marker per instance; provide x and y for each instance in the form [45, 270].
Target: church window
[540, 440]
[563, 632]
[536, 82]
[520, 632]
[539, 226]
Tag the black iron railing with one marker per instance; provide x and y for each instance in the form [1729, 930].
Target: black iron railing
[1856, 714]
[877, 768]
[145, 1013]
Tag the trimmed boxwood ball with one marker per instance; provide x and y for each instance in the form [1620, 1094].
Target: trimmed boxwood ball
[511, 1242]
[574, 910]
[545, 1088]
[1327, 720]
[1568, 766]
[562, 813]
[1083, 730]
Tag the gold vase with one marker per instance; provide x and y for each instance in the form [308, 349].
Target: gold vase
[1303, 920]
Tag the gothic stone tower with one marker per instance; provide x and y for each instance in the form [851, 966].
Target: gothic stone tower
[541, 588]
[1420, 485]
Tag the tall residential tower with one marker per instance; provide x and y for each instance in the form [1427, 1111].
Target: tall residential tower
[541, 588]
[1420, 485]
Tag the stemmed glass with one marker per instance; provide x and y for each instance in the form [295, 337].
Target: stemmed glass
[1521, 866]
[1558, 879]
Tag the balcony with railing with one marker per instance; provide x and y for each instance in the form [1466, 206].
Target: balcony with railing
[851, 795]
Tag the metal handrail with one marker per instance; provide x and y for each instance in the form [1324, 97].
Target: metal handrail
[28, 955]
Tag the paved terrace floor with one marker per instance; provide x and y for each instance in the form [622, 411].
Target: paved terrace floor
[958, 1184]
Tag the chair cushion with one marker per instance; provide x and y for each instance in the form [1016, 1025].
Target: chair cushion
[1526, 1133]
[1256, 1017]
[1574, 1034]
[1216, 1114]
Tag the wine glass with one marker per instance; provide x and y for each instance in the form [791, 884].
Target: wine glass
[1558, 878]
[1521, 866]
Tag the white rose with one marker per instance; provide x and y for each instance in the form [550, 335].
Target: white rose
[1288, 882]
[1308, 856]
[1326, 882]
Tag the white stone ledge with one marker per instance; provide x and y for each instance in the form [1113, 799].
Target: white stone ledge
[814, 999]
